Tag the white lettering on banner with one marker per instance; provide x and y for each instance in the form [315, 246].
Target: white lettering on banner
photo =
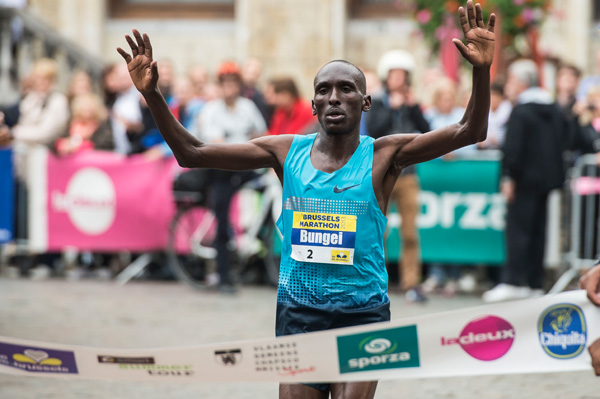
[442, 210]
[315, 356]
[363, 362]
[563, 340]
[89, 200]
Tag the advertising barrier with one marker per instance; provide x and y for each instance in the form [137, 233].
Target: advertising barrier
[546, 334]
[7, 185]
[462, 213]
[99, 201]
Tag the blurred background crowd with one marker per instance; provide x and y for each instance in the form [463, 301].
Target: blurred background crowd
[63, 88]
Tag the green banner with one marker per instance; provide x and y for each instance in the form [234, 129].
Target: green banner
[462, 214]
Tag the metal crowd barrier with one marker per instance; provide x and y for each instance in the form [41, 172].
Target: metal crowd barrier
[584, 229]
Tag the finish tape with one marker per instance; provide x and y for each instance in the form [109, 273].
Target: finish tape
[546, 334]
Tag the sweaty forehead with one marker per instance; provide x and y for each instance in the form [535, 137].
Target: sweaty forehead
[337, 71]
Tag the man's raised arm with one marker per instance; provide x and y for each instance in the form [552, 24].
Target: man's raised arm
[188, 150]
[478, 49]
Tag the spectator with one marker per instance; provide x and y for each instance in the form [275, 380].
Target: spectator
[395, 111]
[567, 80]
[536, 136]
[374, 88]
[185, 106]
[166, 76]
[444, 110]
[251, 75]
[198, 78]
[81, 83]
[232, 119]
[589, 81]
[110, 85]
[43, 117]
[500, 109]
[292, 114]
[89, 127]
[43, 112]
[125, 114]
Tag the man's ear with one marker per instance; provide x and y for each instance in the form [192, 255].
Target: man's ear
[314, 109]
[366, 103]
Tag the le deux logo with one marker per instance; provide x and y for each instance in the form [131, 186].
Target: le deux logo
[486, 338]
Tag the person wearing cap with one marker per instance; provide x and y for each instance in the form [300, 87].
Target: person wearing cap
[231, 119]
[395, 111]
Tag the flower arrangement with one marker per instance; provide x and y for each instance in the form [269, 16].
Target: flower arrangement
[517, 15]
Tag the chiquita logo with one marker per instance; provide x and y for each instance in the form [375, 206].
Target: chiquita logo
[562, 330]
[486, 338]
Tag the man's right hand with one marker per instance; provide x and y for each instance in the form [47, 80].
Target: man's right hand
[590, 282]
[142, 68]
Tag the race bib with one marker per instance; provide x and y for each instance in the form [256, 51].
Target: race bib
[323, 238]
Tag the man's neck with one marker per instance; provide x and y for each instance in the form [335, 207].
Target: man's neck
[333, 150]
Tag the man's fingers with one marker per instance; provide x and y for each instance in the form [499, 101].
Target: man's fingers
[148, 46]
[471, 14]
[154, 69]
[124, 54]
[462, 17]
[479, 16]
[132, 45]
[461, 47]
[492, 22]
[140, 41]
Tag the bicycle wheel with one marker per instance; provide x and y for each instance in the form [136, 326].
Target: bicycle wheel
[189, 251]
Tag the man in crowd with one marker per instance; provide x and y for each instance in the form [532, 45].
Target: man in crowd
[395, 111]
[536, 137]
[232, 119]
[332, 174]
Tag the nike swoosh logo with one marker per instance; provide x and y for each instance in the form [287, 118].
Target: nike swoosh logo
[341, 190]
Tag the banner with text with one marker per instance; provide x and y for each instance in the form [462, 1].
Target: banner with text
[546, 334]
[462, 213]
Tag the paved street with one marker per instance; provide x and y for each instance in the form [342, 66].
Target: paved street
[144, 314]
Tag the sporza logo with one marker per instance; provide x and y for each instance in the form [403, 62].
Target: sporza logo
[562, 331]
[486, 338]
[33, 359]
[377, 350]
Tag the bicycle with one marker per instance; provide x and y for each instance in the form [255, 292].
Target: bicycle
[189, 252]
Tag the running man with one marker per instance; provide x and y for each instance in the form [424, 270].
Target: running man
[336, 186]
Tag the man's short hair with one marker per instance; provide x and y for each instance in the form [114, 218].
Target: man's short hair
[526, 71]
[362, 81]
[285, 85]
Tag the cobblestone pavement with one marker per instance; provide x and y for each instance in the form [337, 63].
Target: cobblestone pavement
[144, 314]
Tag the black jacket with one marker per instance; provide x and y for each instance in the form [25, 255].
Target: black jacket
[537, 134]
[382, 120]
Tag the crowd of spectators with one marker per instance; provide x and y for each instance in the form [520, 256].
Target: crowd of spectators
[238, 104]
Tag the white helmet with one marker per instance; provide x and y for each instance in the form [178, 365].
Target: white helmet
[395, 59]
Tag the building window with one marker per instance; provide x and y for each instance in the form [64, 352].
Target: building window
[170, 9]
[373, 8]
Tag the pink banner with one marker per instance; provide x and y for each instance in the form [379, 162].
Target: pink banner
[101, 201]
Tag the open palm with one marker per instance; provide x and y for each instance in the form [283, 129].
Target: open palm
[142, 68]
[479, 44]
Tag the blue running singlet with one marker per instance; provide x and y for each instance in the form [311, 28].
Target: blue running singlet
[332, 259]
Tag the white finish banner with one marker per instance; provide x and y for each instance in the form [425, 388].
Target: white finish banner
[547, 334]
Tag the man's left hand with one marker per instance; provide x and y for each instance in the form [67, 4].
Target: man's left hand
[594, 350]
[479, 44]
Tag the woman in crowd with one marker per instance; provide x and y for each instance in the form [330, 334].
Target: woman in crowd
[89, 127]
[292, 115]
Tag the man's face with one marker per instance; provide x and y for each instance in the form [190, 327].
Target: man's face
[339, 98]
[513, 88]
[396, 80]
[231, 88]
[567, 81]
